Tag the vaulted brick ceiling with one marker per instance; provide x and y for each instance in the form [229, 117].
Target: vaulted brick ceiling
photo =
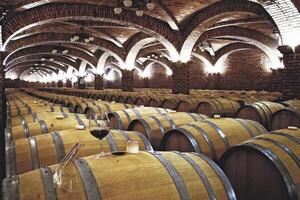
[33, 26]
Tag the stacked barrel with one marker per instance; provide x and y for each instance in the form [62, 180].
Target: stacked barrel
[213, 145]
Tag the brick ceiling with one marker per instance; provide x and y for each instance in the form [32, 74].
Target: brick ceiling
[174, 26]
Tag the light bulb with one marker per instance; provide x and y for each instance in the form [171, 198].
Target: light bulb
[54, 51]
[150, 6]
[86, 40]
[76, 37]
[91, 38]
[139, 13]
[127, 3]
[118, 10]
[65, 51]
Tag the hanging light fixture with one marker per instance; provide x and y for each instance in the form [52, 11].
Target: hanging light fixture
[118, 10]
[127, 3]
[138, 6]
[54, 51]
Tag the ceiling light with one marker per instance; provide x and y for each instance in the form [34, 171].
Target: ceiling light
[54, 51]
[65, 51]
[91, 38]
[127, 3]
[86, 40]
[150, 6]
[118, 10]
[43, 59]
[76, 37]
[51, 59]
[139, 13]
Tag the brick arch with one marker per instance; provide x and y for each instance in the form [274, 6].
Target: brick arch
[206, 17]
[230, 48]
[60, 59]
[47, 50]
[23, 68]
[263, 42]
[62, 11]
[39, 62]
[102, 44]
[208, 62]
[40, 70]
[168, 69]
[104, 58]
[152, 49]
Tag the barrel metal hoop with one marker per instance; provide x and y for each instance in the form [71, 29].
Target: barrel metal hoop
[192, 140]
[201, 174]
[257, 107]
[174, 174]
[29, 110]
[89, 181]
[10, 188]
[147, 128]
[161, 128]
[26, 131]
[193, 116]
[125, 134]
[220, 132]
[158, 110]
[99, 109]
[259, 128]
[244, 125]
[291, 137]
[23, 120]
[52, 108]
[35, 117]
[283, 147]
[34, 153]
[222, 107]
[61, 109]
[8, 135]
[226, 184]
[59, 145]
[136, 112]
[280, 166]
[80, 122]
[112, 144]
[170, 120]
[18, 111]
[43, 126]
[47, 176]
[145, 141]
[207, 138]
[65, 115]
[10, 159]
[119, 121]
[107, 108]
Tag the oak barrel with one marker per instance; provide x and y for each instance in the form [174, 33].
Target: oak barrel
[218, 106]
[261, 112]
[45, 126]
[266, 167]
[155, 126]
[284, 118]
[211, 136]
[122, 119]
[31, 153]
[142, 176]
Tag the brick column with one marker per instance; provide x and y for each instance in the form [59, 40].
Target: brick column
[127, 80]
[290, 86]
[68, 83]
[81, 83]
[181, 78]
[2, 118]
[53, 84]
[146, 82]
[98, 83]
[60, 84]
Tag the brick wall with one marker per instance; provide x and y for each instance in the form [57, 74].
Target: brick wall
[181, 78]
[127, 80]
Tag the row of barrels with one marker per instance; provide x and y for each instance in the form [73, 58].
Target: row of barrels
[270, 114]
[221, 126]
[247, 96]
[271, 161]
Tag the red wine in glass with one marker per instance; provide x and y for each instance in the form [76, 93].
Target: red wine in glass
[100, 133]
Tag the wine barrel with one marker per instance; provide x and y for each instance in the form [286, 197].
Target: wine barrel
[284, 118]
[266, 167]
[142, 101]
[34, 117]
[121, 99]
[155, 102]
[261, 112]
[188, 105]
[155, 126]
[211, 136]
[45, 126]
[44, 108]
[121, 119]
[130, 99]
[218, 106]
[175, 176]
[293, 103]
[170, 103]
[32, 153]
[101, 109]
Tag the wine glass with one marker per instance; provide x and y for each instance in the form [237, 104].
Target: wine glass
[100, 134]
